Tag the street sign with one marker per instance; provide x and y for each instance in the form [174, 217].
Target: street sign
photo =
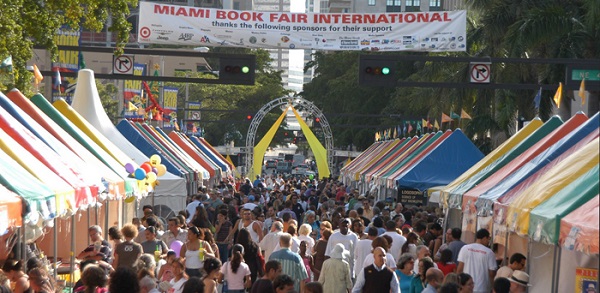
[588, 74]
[480, 72]
[123, 64]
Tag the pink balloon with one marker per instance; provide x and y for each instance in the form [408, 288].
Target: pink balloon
[176, 246]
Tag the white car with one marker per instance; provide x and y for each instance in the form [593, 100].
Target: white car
[300, 170]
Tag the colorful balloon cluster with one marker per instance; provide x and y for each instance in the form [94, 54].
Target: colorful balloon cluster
[150, 170]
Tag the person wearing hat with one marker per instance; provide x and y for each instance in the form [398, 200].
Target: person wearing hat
[345, 237]
[519, 281]
[335, 273]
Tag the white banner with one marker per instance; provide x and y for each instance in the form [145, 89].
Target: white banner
[439, 31]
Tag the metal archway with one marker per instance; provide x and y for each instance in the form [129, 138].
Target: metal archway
[297, 102]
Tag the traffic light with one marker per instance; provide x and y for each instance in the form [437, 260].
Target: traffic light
[237, 69]
[317, 119]
[377, 70]
[249, 117]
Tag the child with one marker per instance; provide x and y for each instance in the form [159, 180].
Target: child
[166, 270]
[445, 264]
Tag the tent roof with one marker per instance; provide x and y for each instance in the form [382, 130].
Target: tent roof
[455, 195]
[148, 147]
[389, 157]
[46, 129]
[361, 156]
[444, 163]
[579, 229]
[131, 185]
[378, 176]
[492, 157]
[550, 183]
[559, 151]
[209, 153]
[544, 222]
[216, 153]
[438, 138]
[195, 153]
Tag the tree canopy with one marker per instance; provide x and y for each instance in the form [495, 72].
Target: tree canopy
[28, 23]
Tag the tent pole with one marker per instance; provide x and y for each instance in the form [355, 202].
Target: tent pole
[505, 246]
[106, 203]
[557, 276]
[88, 223]
[96, 216]
[55, 250]
[72, 252]
[24, 245]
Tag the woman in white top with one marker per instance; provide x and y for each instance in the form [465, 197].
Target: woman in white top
[235, 270]
[195, 251]
[179, 276]
[304, 231]
[410, 245]
[212, 268]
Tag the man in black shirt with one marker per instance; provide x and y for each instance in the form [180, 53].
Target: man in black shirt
[265, 284]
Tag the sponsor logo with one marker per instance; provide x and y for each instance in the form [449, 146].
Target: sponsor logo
[452, 45]
[434, 39]
[461, 38]
[461, 46]
[263, 40]
[186, 36]
[163, 32]
[145, 32]
[385, 41]
[162, 38]
[252, 40]
[349, 42]
[365, 42]
[285, 39]
[375, 49]
[205, 39]
[292, 46]
[452, 38]
[375, 42]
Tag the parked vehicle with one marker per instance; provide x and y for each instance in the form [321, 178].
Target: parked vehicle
[300, 169]
[284, 167]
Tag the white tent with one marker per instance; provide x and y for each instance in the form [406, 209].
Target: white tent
[86, 102]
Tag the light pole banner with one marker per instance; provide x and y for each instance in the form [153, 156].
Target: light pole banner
[434, 31]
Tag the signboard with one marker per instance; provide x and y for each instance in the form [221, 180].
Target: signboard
[434, 31]
[412, 197]
[588, 74]
[586, 280]
[67, 61]
[170, 107]
[577, 73]
[132, 92]
[123, 64]
[480, 72]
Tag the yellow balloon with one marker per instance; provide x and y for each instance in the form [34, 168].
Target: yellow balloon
[155, 160]
[162, 169]
[151, 177]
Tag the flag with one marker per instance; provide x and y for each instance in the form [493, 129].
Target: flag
[446, 118]
[80, 61]
[582, 91]
[159, 116]
[194, 129]
[436, 125]
[410, 129]
[7, 63]
[377, 136]
[37, 75]
[424, 123]
[418, 126]
[57, 80]
[454, 115]
[405, 130]
[175, 125]
[538, 99]
[395, 133]
[558, 95]
[131, 107]
[464, 115]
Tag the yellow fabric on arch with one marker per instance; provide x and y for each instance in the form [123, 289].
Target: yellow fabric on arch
[318, 150]
[261, 147]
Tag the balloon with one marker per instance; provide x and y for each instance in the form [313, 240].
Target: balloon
[311, 176]
[155, 160]
[147, 167]
[140, 174]
[176, 246]
[151, 177]
[162, 170]
[154, 170]
[130, 199]
[129, 168]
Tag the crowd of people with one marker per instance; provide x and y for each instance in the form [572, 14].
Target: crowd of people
[277, 235]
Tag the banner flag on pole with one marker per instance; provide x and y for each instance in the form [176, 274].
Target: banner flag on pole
[582, 91]
[436, 125]
[37, 75]
[538, 99]
[446, 118]
[57, 80]
[464, 114]
[454, 115]
[558, 95]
